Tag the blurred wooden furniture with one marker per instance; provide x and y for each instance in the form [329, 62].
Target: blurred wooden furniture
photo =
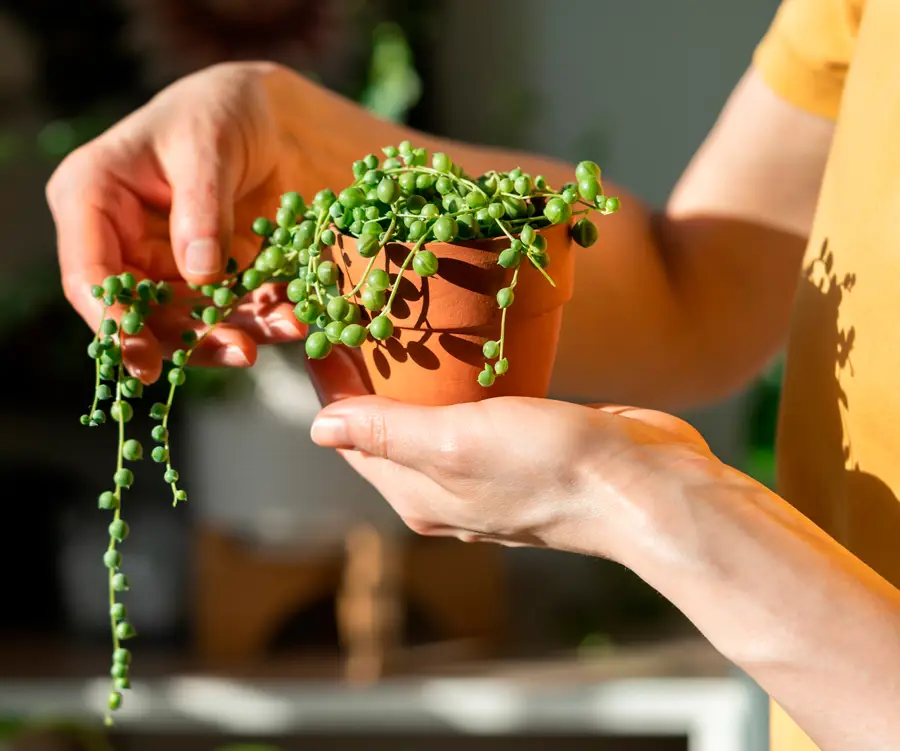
[245, 593]
[369, 606]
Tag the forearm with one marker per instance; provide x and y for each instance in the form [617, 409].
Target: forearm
[651, 297]
[814, 626]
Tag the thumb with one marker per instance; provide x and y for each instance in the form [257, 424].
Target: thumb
[405, 434]
[201, 174]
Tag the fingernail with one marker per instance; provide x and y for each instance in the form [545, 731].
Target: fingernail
[234, 357]
[330, 431]
[284, 328]
[202, 257]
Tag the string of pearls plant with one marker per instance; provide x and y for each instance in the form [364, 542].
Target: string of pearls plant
[406, 197]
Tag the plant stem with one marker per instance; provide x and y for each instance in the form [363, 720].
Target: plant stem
[165, 424]
[117, 514]
[172, 387]
[97, 367]
[408, 260]
[515, 281]
[322, 222]
[540, 268]
[528, 255]
[388, 233]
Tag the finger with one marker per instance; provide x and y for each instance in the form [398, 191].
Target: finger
[198, 163]
[416, 498]
[81, 199]
[141, 352]
[337, 377]
[268, 316]
[223, 346]
[262, 317]
[279, 325]
[88, 246]
[264, 314]
[142, 356]
[272, 325]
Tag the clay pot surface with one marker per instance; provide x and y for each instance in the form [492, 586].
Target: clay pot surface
[442, 322]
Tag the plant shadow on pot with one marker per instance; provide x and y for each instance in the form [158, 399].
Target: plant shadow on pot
[442, 322]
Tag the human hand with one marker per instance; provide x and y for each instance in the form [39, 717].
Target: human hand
[170, 193]
[509, 470]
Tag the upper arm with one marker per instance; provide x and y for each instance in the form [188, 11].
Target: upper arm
[703, 292]
[762, 162]
[764, 159]
[735, 228]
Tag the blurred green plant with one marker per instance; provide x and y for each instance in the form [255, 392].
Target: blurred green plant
[55, 139]
[394, 86]
[762, 425]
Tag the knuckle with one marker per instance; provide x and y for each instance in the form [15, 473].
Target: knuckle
[454, 453]
[74, 169]
[69, 289]
[376, 435]
[449, 457]
[55, 185]
[75, 298]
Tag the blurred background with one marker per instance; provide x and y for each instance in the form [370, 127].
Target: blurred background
[285, 604]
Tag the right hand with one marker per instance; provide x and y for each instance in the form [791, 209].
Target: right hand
[170, 193]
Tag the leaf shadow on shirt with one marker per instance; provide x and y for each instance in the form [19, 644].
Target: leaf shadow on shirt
[854, 506]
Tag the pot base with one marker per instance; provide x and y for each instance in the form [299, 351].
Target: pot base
[437, 368]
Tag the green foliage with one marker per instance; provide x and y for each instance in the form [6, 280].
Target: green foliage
[408, 196]
[412, 197]
[762, 424]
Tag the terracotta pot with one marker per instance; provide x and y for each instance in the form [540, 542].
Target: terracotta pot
[442, 322]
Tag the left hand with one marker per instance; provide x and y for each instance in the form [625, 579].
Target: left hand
[509, 470]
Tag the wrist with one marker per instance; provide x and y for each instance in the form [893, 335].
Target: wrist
[643, 512]
[677, 527]
[616, 501]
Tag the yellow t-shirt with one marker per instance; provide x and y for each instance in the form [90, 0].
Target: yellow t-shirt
[839, 430]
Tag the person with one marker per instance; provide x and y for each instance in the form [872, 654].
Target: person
[784, 228]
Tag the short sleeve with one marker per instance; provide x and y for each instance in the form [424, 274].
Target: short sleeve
[806, 52]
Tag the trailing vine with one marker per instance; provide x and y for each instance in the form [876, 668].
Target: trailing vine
[404, 198]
